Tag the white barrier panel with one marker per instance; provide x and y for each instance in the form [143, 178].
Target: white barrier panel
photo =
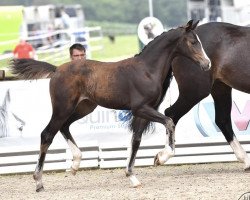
[200, 121]
[29, 102]
[30, 105]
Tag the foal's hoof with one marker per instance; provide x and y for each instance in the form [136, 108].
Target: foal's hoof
[137, 186]
[134, 181]
[73, 171]
[156, 161]
[40, 189]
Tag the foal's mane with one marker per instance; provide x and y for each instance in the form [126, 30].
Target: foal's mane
[168, 34]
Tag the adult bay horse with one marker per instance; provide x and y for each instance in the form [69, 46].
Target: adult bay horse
[228, 47]
[135, 84]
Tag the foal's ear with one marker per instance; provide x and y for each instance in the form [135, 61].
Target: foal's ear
[188, 26]
[195, 25]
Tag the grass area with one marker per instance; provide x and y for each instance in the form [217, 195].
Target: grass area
[123, 46]
[114, 28]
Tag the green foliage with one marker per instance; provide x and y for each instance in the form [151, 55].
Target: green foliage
[171, 12]
[131, 11]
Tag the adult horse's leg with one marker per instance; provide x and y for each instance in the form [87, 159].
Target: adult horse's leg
[221, 94]
[83, 108]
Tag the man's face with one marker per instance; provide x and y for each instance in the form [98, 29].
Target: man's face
[77, 55]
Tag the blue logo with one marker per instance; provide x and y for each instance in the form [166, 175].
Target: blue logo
[124, 115]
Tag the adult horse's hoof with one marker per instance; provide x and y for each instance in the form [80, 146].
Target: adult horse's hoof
[40, 189]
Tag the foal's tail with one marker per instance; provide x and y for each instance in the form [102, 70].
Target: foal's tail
[139, 125]
[31, 69]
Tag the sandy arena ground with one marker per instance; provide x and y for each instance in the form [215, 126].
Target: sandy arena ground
[204, 181]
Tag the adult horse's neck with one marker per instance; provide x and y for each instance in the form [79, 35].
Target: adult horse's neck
[159, 52]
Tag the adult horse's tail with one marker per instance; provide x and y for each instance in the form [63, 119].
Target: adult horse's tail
[31, 69]
[141, 125]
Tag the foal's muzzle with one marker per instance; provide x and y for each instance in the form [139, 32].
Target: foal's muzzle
[205, 64]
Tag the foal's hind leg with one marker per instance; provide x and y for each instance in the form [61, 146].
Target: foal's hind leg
[135, 144]
[83, 108]
[136, 140]
[47, 137]
[64, 101]
[221, 94]
[76, 152]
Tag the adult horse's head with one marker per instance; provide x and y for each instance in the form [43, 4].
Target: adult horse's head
[189, 45]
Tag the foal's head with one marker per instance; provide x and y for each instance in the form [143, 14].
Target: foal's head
[189, 45]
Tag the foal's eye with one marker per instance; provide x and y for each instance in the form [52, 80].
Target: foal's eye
[193, 42]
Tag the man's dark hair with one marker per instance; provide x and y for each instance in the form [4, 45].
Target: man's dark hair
[77, 46]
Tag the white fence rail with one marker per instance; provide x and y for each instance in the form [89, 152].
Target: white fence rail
[23, 159]
[111, 155]
[201, 151]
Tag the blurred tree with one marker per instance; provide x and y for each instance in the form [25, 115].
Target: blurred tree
[12, 2]
[170, 12]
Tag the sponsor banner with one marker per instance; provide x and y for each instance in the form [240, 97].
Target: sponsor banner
[200, 121]
[204, 115]
[25, 110]
[28, 110]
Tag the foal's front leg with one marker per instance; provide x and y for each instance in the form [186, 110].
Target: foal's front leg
[169, 150]
[150, 114]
